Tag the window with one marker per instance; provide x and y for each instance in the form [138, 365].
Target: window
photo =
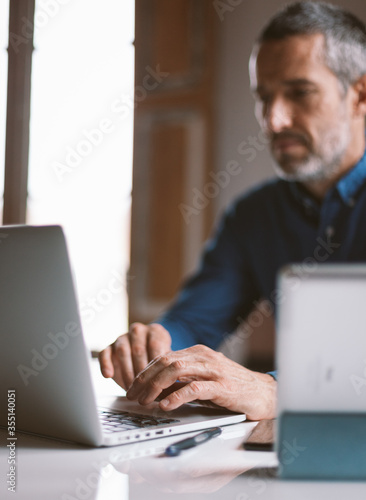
[80, 164]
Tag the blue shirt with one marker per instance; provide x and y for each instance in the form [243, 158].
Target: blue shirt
[272, 225]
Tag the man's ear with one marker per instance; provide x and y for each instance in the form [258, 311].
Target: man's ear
[360, 96]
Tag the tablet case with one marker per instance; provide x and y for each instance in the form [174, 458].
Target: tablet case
[326, 446]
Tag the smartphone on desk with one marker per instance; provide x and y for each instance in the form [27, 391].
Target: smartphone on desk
[262, 437]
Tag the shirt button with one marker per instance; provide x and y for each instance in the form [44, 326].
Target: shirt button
[351, 202]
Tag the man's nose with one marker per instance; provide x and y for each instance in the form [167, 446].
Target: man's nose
[278, 116]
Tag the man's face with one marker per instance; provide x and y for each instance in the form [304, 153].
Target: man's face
[301, 107]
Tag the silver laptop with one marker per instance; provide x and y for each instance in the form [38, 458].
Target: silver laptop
[44, 365]
[321, 358]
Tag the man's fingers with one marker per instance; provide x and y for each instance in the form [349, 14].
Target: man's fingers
[186, 365]
[117, 377]
[138, 340]
[172, 388]
[158, 342]
[122, 361]
[105, 362]
[211, 377]
[159, 375]
[115, 362]
[130, 353]
[203, 390]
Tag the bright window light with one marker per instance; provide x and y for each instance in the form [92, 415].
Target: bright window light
[80, 165]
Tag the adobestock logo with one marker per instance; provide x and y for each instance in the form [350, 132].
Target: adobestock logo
[86, 487]
[223, 6]
[290, 452]
[74, 155]
[249, 149]
[359, 382]
[201, 199]
[47, 9]
[94, 305]
[120, 109]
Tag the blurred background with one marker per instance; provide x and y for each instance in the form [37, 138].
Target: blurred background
[141, 131]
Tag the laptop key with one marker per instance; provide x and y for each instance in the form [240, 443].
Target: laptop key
[116, 421]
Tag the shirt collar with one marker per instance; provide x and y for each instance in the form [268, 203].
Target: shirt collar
[349, 184]
[347, 187]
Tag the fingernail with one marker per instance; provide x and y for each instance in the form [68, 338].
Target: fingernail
[164, 402]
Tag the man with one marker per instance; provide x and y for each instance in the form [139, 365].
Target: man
[308, 75]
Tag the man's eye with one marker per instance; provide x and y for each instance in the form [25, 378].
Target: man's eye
[301, 93]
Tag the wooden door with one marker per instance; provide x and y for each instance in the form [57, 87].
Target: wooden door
[176, 52]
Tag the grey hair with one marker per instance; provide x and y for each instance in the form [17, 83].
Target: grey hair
[344, 35]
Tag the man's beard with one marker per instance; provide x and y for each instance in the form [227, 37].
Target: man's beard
[317, 165]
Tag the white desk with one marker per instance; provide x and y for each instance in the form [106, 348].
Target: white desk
[219, 469]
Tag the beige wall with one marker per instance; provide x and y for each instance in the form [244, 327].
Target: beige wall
[235, 106]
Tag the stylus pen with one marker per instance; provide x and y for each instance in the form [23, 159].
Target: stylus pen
[175, 449]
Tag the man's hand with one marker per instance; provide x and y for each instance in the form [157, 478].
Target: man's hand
[130, 353]
[210, 376]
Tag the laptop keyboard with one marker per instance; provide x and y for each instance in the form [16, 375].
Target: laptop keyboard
[117, 421]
